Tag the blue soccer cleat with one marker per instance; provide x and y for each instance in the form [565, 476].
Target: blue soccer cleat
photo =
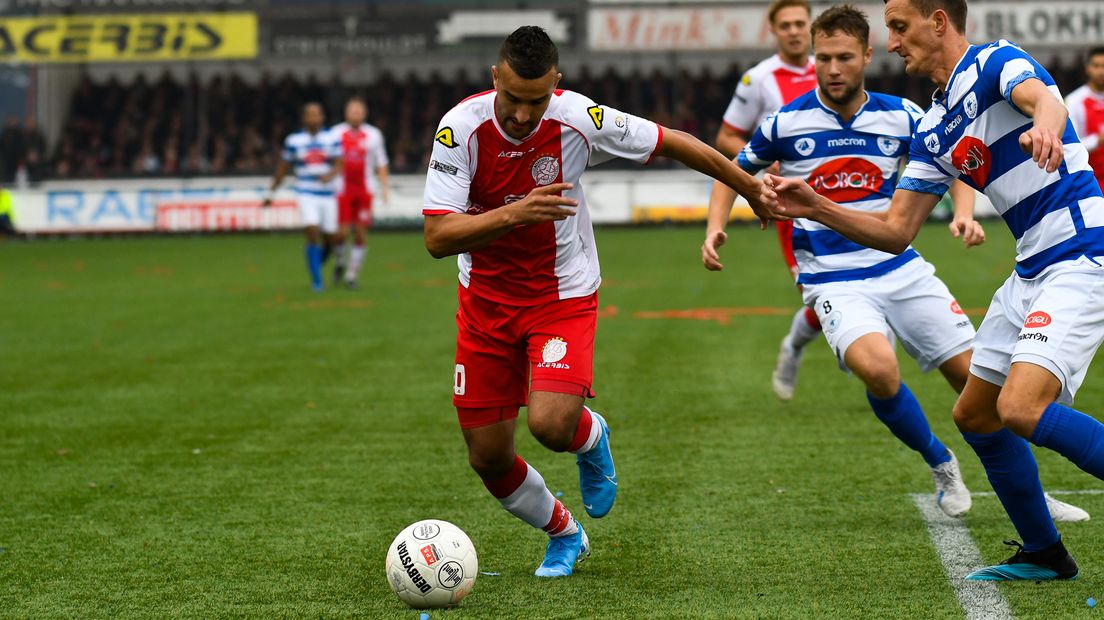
[1051, 563]
[597, 477]
[562, 553]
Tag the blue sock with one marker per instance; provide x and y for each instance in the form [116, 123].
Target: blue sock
[314, 264]
[1074, 435]
[903, 416]
[1014, 475]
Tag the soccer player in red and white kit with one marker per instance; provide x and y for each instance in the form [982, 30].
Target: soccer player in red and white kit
[1086, 111]
[503, 194]
[367, 175]
[766, 87]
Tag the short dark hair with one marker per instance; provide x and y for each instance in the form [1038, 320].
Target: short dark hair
[843, 18]
[1093, 53]
[955, 9]
[778, 5]
[530, 52]
[308, 104]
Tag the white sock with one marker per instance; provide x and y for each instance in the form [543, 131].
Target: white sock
[801, 333]
[355, 261]
[532, 502]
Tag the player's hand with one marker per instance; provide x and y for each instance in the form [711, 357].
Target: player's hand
[787, 198]
[710, 257]
[544, 204]
[969, 230]
[1044, 145]
[758, 207]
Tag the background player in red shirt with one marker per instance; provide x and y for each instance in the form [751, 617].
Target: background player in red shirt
[1086, 111]
[766, 87]
[503, 194]
[366, 175]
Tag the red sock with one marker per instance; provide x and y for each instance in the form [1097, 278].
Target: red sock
[811, 318]
[506, 485]
[582, 433]
[561, 518]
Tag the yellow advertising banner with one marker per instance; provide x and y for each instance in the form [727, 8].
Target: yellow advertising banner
[128, 38]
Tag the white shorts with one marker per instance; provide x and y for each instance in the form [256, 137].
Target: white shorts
[1055, 321]
[910, 300]
[317, 210]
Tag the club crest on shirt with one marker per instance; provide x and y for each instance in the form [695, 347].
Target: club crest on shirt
[970, 104]
[545, 170]
[805, 146]
[932, 142]
[554, 350]
[888, 146]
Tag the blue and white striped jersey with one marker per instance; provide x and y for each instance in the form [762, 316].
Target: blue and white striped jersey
[972, 133]
[312, 157]
[851, 163]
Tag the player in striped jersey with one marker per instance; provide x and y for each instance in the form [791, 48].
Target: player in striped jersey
[314, 155]
[997, 122]
[849, 144]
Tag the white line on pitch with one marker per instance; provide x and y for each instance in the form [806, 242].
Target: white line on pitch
[981, 600]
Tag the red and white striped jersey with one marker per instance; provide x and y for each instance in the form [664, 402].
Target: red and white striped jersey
[476, 167]
[764, 89]
[363, 151]
[1086, 112]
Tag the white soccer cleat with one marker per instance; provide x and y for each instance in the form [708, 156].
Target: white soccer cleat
[951, 494]
[784, 378]
[1063, 512]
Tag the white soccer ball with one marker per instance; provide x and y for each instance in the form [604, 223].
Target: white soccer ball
[432, 564]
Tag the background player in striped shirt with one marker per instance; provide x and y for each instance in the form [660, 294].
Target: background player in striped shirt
[997, 122]
[315, 157]
[767, 86]
[503, 195]
[366, 175]
[1086, 111]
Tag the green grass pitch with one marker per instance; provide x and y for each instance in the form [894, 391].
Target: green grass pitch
[187, 431]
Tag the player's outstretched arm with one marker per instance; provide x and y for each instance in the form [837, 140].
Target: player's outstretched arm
[963, 225]
[891, 231]
[1044, 140]
[721, 200]
[457, 233]
[278, 178]
[705, 159]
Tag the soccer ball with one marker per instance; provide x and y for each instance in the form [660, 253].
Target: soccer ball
[432, 564]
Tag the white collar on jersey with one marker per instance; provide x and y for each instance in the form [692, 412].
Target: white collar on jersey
[940, 95]
[836, 115]
[795, 69]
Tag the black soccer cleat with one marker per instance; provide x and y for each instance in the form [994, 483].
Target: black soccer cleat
[1051, 563]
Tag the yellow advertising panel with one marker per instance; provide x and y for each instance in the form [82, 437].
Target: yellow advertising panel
[128, 38]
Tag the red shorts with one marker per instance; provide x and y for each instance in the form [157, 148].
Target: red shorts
[785, 238]
[503, 352]
[354, 206]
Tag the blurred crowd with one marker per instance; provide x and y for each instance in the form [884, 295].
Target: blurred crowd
[226, 125]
